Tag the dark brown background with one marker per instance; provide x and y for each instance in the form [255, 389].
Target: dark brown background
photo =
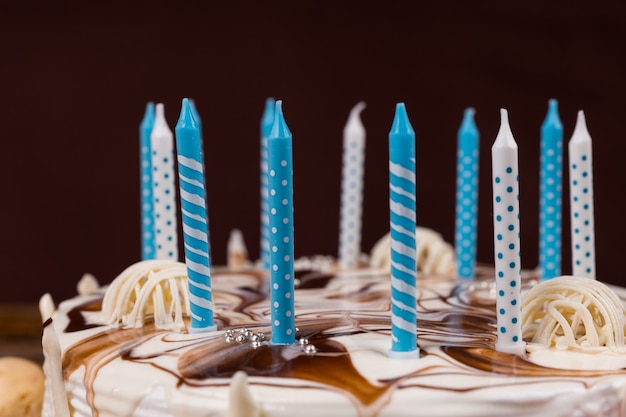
[75, 79]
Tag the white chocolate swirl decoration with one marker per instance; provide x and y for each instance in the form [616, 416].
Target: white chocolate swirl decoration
[153, 287]
[433, 254]
[573, 313]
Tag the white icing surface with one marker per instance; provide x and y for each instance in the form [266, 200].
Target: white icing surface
[458, 374]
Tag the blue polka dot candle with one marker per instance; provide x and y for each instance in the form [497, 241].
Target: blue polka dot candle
[280, 184]
[148, 249]
[402, 221]
[550, 184]
[466, 196]
[581, 201]
[506, 227]
[163, 188]
[267, 120]
[352, 189]
[195, 219]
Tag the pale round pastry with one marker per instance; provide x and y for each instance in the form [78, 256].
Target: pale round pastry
[22, 387]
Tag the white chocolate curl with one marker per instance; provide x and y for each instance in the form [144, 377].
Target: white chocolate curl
[433, 254]
[573, 313]
[153, 287]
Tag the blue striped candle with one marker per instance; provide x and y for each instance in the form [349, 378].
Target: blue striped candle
[506, 229]
[466, 196]
[148, 250]
[195, 219]
[164, 188]
[267, 120]
[581, 204]
[550, 185]
[402, 230]
[280, 175]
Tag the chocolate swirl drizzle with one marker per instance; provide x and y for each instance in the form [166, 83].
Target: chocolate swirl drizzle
[459, 329]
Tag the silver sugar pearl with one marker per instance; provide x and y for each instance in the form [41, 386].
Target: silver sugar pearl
[303, 341]
[260, 335]
[256, 344]
[228, 333]
[229, 339]
[248, 334]
[241, 338]
[243, 330]
[310, 350]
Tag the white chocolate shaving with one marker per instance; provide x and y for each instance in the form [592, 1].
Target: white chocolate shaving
[573, 313]
[241, 403]
[55, 386]
[237, 251]
[154, 287]
[46, 307]
[434, 255]
[87, 285]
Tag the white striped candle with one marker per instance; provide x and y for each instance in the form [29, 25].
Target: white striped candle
[195, 219]
[148, 249]
[581, 198]
[402, 230]
[281, 230]
[267, 120]
[506, 227]
[163, 188]
[352, 189]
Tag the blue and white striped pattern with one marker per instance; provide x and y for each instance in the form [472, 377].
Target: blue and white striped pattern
[195, 219]
[581, 196]
[164, 188]
[267, 120]
[281, 230]
[506, 228]
[148, 249]
[550, 191]
[402, 230]
[466, 196]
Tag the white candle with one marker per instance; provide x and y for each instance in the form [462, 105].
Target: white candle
[163, 188]
[352, 189]
[506, 225]
[581, 196]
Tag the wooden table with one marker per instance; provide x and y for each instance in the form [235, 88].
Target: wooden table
[20, 331]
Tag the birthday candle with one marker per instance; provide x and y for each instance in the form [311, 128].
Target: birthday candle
[280, 176]
[402, 231]
[267, 120]
[581, 195]
[506, 225]
[466, 196]
[550, 194]
[163, 188]
[195, 219]
[352, 189]
[147, 205]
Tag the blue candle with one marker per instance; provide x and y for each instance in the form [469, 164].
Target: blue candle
[550, 184]
[280, 176]
[195, 219]
[267, 120]
[145, 162]
[163, 187]
[466, 196]
[402, 230]
[506, 227]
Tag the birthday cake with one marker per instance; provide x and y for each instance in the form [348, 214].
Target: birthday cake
[123, 351]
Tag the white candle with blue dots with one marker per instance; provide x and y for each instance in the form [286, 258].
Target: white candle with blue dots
[163, 188]
[148, 249]
[280, 176]
[506, 225]
[352, 189]
[581, 201]
[267, 121]
[550, 191]
[402, 221]
[195, 219]
[466, 196]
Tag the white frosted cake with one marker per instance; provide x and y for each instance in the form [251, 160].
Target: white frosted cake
[123, 353]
